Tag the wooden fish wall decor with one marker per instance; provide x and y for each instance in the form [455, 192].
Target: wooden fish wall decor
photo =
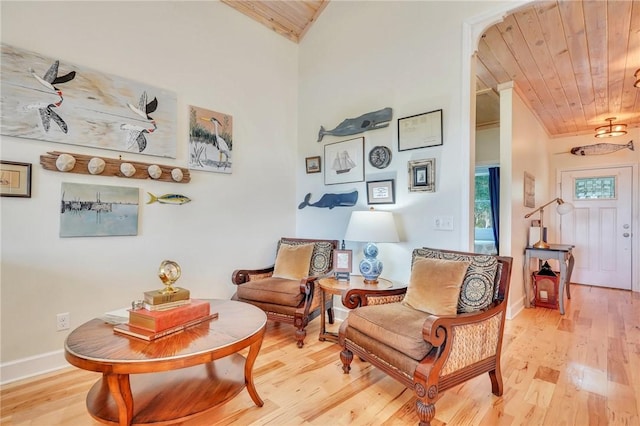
[351, 126]
[600, 148]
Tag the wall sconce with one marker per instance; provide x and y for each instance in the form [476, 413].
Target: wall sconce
[562, 209]
[610, 130]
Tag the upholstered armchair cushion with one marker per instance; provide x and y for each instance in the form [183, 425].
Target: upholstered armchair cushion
[395, 325]
[278, 291]
[434, 286]
[320, 257]
[477, 291]
[293, 261]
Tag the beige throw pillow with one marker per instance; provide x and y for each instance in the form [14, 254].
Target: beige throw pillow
[434, 286]
[293, 261]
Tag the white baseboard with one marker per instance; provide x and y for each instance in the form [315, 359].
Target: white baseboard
[515, 308]
[32, 366]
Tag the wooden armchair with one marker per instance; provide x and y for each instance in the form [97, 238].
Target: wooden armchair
[431, 353]
[287, 290]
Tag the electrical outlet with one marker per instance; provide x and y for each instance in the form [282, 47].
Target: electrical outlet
[62, 321]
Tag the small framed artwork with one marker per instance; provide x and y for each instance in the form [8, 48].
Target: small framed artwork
[342, 264]
[529, 190]
[381, 192]
[344, 161]
[313, 164]
[420, 131]
[422, 175]
[15, 179]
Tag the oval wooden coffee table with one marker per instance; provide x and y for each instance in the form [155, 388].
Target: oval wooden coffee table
[172, 378]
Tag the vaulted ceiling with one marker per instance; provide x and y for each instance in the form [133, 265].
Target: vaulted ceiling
[573, 62]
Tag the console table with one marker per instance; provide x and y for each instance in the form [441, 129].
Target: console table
[173, 378]
[560, 252]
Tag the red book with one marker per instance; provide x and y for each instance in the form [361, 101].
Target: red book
[161, 320]
[147, 335]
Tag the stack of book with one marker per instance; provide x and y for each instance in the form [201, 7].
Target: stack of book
[164, 314]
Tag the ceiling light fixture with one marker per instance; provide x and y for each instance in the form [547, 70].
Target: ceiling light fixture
[610, 130]
[637, 76]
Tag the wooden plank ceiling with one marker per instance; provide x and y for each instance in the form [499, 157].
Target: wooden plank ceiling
[573, 62]
[289, 18]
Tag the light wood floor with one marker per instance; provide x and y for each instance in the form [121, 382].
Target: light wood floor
[582, 368]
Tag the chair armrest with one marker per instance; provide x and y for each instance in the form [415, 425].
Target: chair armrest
[355, 297]
[436, 328]
[241, 276]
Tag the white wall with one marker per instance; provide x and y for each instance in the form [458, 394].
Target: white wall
[522, 139]
[561, 159]
[363, 56]
[212, 57]
[488, 146]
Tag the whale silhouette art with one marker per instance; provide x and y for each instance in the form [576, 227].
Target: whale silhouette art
[351, 126]
[331, 200]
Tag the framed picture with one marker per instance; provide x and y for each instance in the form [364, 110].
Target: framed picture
[344, 161]
[313, 164]
[420, 131]
[529, 190]
[210, 140]
[381, 192]
[128, 115]
[98, 210]
[422, 175]
[15, 179]
[342, 260]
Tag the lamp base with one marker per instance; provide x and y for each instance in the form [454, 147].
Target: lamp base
[541, 245]
[370, 266]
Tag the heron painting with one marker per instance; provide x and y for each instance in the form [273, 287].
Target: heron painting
[210, 140]
[53, 100]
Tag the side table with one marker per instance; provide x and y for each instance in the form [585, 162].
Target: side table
[353, 293]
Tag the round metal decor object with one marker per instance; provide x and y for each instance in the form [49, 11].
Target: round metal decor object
[380, 157]
[169, 272]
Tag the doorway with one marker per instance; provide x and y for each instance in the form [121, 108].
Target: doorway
[600, 225]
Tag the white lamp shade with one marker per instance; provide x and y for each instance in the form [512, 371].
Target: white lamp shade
[564, 208]
[372, 226]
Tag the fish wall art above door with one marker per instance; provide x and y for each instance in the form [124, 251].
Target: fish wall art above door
[53, 100]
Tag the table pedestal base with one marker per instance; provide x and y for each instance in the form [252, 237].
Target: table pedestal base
[171, 396]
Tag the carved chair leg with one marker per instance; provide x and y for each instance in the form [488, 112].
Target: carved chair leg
[346, 356]
[496, 381]
[301, 333]
[330, 314]
[426, 412]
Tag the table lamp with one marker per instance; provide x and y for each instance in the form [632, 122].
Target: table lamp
[371, 226]
[562, 208]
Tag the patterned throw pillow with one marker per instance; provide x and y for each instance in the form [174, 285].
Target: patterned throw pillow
[477, 290]
[320, 258]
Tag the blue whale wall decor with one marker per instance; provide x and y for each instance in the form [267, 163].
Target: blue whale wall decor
[331, 200]
[351, 126]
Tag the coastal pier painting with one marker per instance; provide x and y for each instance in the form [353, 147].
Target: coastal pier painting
[98, 210]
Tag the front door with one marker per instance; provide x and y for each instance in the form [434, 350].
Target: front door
[599, 226]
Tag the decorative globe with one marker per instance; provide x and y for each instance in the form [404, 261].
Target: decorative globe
[169, 272]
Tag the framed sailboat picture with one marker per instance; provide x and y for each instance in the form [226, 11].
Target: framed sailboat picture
[344, 161]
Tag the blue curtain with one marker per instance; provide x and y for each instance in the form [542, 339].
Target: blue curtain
[494, 196]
